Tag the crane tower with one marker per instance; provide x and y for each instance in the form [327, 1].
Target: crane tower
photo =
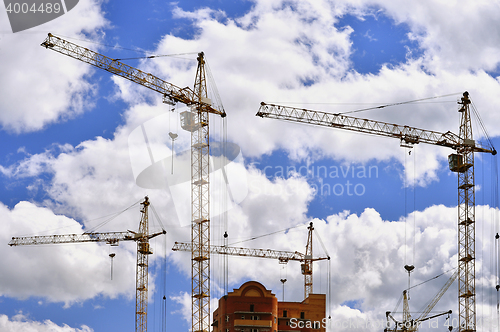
[197, 122]
[461, 162]
[142, 238]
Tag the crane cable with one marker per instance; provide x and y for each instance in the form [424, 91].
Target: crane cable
[481, 125]
[225, 207]
[155, 214]
[423, 282]
[495, 225]
[129, 49]
[112, 216]
[399, 103]
[264, 235]
[374, 107]
[329, 279]
[164, 274]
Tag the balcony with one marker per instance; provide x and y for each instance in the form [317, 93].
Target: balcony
[254, 312]
[253, 323]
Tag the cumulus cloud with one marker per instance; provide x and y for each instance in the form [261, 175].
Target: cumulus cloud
[270, 53]
[366, 267]
[277, 52]
[60, 273]
[21, 323]
[57, 90]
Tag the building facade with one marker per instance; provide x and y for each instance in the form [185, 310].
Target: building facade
[253, 308]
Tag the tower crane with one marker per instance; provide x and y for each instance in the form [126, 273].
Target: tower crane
[283, 256]
[461, 162]
[197, 122]
[410, 324]
[142, 238]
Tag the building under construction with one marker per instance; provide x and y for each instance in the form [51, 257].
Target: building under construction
[253, 308]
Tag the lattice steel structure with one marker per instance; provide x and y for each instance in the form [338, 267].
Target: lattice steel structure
[111, 238]
[141, 280]
[200, 207]
[307, 266]
[195, 121]
[409, 324]
[142, 238]
[281, 255]
[462, 162]
[466, 223]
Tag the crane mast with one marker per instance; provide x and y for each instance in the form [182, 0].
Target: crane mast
[200, 207]
[142, 238]
[307, 266]
[141, 280]
[461, 162]
[466, 222]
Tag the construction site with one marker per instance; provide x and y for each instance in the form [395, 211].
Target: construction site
[251, 306]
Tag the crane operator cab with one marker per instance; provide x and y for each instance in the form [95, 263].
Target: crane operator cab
[190, 120]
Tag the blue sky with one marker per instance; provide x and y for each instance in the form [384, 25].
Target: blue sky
[69, 158]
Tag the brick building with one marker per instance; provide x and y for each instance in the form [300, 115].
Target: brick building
[253, 308]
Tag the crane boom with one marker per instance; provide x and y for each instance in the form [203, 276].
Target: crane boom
[282, 256]
[410, 324]
[437, 297]
[110, 238]
[462, 163]
[184, 95]
[408, 135]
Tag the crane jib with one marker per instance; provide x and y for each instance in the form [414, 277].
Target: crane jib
[408, 135]
[184, 95]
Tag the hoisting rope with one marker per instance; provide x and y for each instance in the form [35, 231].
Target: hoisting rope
[481, 124]
[426, 281]
[129, 49]
[400, 103]
[374, 107]
[157, 216]
[264, 235]
[113, 216]
[329, 281]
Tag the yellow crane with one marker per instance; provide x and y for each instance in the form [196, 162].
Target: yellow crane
[281, 255]
[197, 122]
[142, 238]
[461, 162]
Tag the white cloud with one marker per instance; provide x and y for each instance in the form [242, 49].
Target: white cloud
[60, 273]
[40, 87]
[265, 55]
[270, 52]
[21, 323]
[184, 300]
[367, 259]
